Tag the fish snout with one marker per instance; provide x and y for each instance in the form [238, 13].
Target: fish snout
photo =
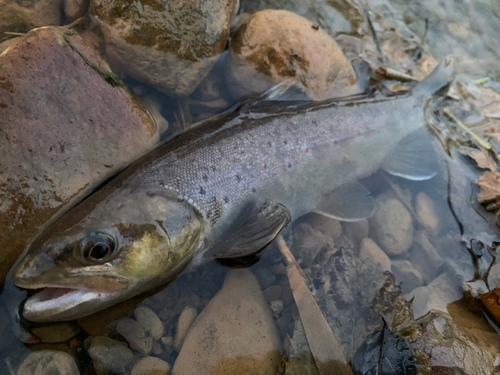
[29, 270]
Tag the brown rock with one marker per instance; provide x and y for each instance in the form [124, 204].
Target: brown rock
[169, 44]
[135, 335]
[406, 274]
[22, 16]
[63, 127]
[273, 292]
[308, 242]
[370, 250]
[426, 212]
[235, 333]
[393, 226]
[149, 321]
[55, 333]
[151, 366]
[326, 225]
[271, 46]
[186, 318]
[108, 355]
[356, 231]
[74, 9]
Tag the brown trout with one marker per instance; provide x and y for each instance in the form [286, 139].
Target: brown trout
[223, 190]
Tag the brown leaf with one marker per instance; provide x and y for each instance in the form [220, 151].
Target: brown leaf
[480, 157]
[489, 184]
[491, 301]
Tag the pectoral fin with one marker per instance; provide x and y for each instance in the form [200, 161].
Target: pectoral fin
[255, 227]
[351, 202]
[413, 159]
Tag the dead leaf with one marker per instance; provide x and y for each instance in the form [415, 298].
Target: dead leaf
[491, 301]
[489, 184]
[480, 157]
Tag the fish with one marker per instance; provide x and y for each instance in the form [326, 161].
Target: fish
[224, 190]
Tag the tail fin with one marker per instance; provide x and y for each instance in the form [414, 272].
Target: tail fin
[438, 81]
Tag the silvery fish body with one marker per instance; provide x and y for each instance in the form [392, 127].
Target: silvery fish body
[224, 189]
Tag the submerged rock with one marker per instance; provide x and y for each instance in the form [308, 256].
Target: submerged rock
[74, 9]
[55, 333]
[65, 126]
[22, 16]
[149, 321]
[271, 46]
[393, 226]
[151, 366]
[169, 44]
[135, 335]
[48, 362]
[308, 242]
[186, 318]
[235, 333]
[406, 274]
[370, 250]
[109, 356]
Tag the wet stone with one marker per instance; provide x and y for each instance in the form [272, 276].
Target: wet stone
[48, 362]
[109, 356]
[56, 333]
[135, 335]
[406, 274]
[370, 250]
[276, 306]
[326, 225]
[151, 366]
[273, 292]
[74, 9]
[426, 212]
[271, 46]
[226, 338]
[149, 321]
[167, 342]
[279, 269]
[168, 44]
[356, 231]
[393, 226]
[265, 277]
[186, 318]
[308, 242]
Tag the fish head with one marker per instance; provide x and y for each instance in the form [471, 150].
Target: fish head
[114, 245]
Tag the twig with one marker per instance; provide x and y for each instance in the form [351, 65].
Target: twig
[328, 354]
[13, 33]
[394, 74]
[482, 143]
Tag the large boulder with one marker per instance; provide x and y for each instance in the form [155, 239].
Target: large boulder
[66, 124]
[169, 44]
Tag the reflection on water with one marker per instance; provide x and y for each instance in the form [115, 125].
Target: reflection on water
[399, 292]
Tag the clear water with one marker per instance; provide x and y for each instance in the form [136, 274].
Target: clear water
[452, 239]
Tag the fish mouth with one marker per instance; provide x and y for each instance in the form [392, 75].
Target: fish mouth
[59, 303]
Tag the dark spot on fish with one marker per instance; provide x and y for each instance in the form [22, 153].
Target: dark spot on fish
[226, 199]
[306, 150]
[314, 122]
[3, 105]
[264, 165]
[204, 177]
[212, 168]
[335, 142]
[214, 211]
[61, 146]
[238, 178]
[270, 144]
[315, 26]
[91, 120]
[253, 190]
[290, 165]
[285, 142]
[202, 191]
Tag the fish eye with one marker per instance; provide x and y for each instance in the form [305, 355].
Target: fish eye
[98, 247]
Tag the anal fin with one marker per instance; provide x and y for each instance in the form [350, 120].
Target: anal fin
[255, 227]
[413, 159]
[350, 202]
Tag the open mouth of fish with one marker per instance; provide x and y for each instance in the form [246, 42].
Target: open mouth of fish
[50, 300]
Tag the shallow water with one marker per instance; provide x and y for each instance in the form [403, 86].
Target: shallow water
[435, 239]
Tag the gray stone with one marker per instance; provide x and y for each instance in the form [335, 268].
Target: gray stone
[135, 335]
[48, 362]
[151, 366]
[308, 242]
[186, 318]
[370, 250]
[149, 321]
[109, 356]
[265, 277]
[406, 274]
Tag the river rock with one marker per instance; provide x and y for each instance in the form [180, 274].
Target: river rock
[406, 274]
[435, 296]
[108, 355]
[273, 292]
[63, 130]
[48, 362]
[356, 231]
[426, 212]
[55, 333]
[370, 250]
[392, 226]
[271, 46]
[186, 318]
[265, 277]
[326, 225]
[74, 9]
[151, 366]
[169, 44]
[494, 276]
[22, 16]
[135, 335]
[149, 321]
[235, 333]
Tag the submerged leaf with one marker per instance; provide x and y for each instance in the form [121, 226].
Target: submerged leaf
[489, 184]
[491, 301]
